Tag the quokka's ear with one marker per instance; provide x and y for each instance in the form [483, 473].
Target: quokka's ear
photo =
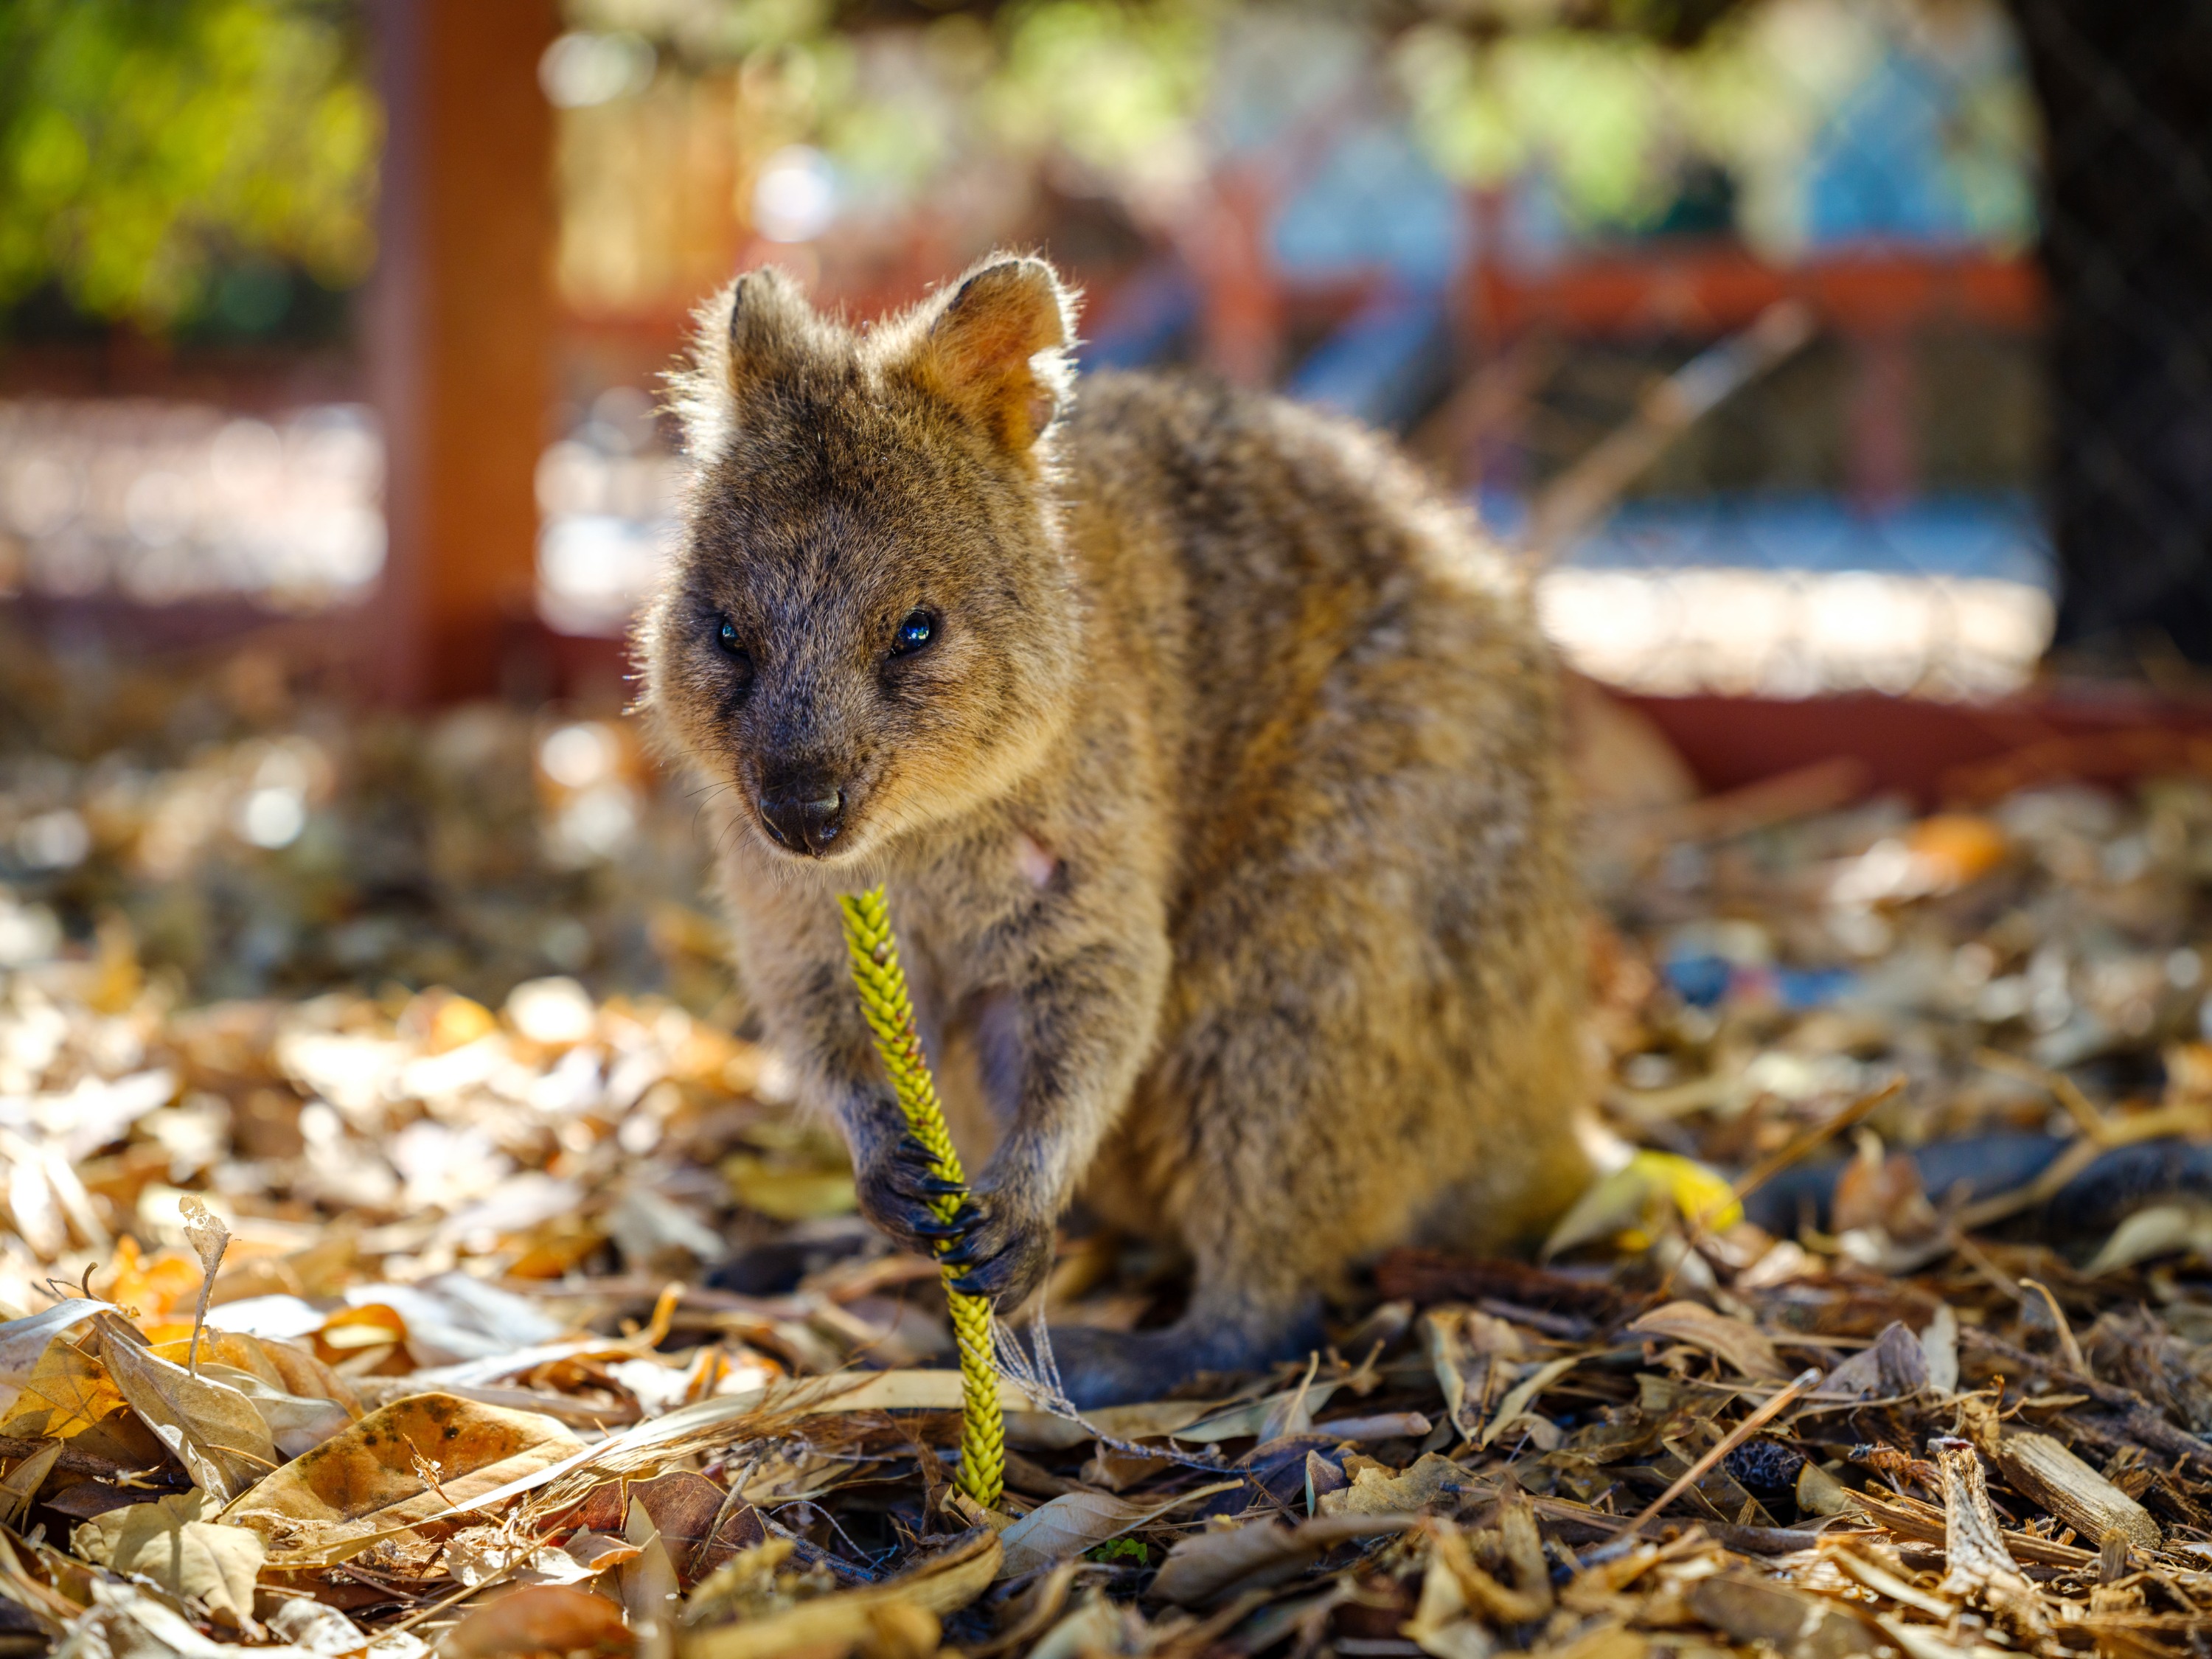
[758, 326]
[769, 326]
[998, 349]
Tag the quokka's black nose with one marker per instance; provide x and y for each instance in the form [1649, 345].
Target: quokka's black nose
[806, 817]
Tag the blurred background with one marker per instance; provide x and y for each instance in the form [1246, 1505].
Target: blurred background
[1843, 366]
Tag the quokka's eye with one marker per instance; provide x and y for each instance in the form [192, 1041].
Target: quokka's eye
[733, 646]
[918, 630]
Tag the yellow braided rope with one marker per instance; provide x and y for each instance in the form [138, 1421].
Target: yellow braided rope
[890, 1015]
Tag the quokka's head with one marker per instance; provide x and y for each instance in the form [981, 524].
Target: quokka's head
[871, 626]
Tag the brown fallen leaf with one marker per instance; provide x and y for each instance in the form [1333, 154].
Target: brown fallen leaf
[209, 1238]
[176, 1542]
[1097, 1627]
[297, 1425]
[1465, 1345]
[369, 1480]
[208, 1426]
[1445, 1625]
[541, 1619]
[24, 1342]
[1433, 1479]
[1730, 1340]
[1894, 1364]
[23, 1481]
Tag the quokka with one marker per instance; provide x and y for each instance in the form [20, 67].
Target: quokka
[1213, 764]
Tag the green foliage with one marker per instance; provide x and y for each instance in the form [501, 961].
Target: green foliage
[1119, 1549]
[145, 144]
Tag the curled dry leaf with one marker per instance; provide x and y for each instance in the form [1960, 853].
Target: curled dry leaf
[24, 1342]
[1096, 1626]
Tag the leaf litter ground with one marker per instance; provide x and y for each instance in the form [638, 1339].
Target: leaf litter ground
[460, 1127]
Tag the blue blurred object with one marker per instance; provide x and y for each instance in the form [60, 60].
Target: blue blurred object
[1386, 364]
[1704, 979]
[1375, 201]
[1700, 980]
[1147, 321]
[1812, 987]
[1879, 169]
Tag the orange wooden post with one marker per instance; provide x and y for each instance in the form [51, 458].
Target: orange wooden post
[459, 339]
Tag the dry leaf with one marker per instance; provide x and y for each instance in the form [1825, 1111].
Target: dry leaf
[1151, 1419]
[540, 1618]
[1240, 1421]
[650, 1594]
[211, 1428]
[1208, 1566]
[1633, 1199]
[1730, 1340]
[24, 1342]
[369, 1479]
[784, 1192]
[1895, 1363]
[24, 1481]
[1077, 1521]
[297, 1425]
[1443, 1624]
[1463, 1345]
[67, 1392]
[176, 1542]
[1524, 1393]
[1097, 1627]
[2154, 1231]
[1939, 1350]
[1432, 1479]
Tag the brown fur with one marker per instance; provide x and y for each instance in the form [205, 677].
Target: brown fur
[1222, 817]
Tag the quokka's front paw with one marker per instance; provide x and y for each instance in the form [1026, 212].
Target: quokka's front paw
[899, 1189]
[1006, 1253]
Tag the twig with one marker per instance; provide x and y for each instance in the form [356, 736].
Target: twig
[1727, 1444]
[1806, 1140]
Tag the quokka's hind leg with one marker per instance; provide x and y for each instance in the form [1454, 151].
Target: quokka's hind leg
[1114, 1368]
